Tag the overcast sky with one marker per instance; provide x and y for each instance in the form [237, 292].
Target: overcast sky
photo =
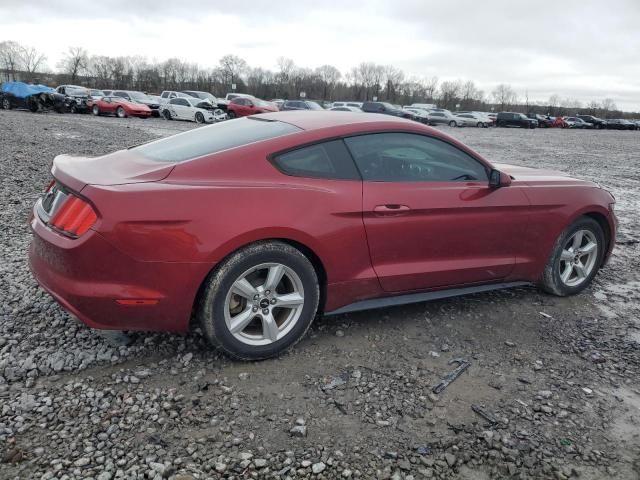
[584, 49]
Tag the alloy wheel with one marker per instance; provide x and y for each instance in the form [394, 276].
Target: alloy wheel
[264, 304]
[578, 258]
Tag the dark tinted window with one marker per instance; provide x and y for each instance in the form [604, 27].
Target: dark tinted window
[183, 102]
[322, 160]
[214, 138]
[406, 157]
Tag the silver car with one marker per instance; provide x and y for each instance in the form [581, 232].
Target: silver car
[475, 119]
[445, 117]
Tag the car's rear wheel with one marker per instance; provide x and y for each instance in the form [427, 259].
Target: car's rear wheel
[167, 115]
[6, 104]
[260, 301]
[95, 110]
[452, 123]
[199, 117]
[231, 114]
[576, 258]
[121, 113]
[501, 123]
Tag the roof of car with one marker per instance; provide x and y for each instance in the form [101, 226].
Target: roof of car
[316, 119]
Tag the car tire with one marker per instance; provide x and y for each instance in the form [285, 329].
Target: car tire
[95, 110]
[199, 117]
[6, 104]
[501, 123]
[244, 282]
[575, 259]
[453, 123]
[121, 113]
[73, 108]
[167, 115]
[231, 114]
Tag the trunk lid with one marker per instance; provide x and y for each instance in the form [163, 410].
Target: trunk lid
[118, 168]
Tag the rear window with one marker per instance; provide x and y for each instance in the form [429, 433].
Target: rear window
[214, 138]
[323, 160]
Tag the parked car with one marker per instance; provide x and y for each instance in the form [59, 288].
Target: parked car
[300, 105]
[474, 120]
[595, 121]
[36, 98]
[75, 98]
[445, 117]
[386, 109]
[167, 95]
[95, 93]
[346, 109]
[511, 119]
[543, 120]
[192, 109]
[347, 104]
[243, 106]
[558, 122]
[576, 122]
[237, 248]
[231, 96]
[139, 97]
[120, 107]
[426, 106]
[278, 102]
[420, 115]
[620, 124]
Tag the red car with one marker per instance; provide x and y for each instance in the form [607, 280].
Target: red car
[255, 225]
[243, 106]
[119, 107]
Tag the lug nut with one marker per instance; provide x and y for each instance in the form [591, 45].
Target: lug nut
[267, 292]
[255, 308]
[265, 311]
[256, 296]
[273, 301]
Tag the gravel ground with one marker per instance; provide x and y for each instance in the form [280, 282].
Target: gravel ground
[553, 381]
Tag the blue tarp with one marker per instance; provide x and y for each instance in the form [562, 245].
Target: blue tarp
[23, 90]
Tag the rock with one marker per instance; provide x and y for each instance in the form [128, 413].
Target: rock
[245, 456]
[434, 354]
[509, 343]
[339, 333]
[220, 467]
[346, 473]
[157, 467]
[318, 467]
[260, 462]
[82, 462]
[298, 431]
[444, 348]
[450, 458]
[545, 394]
[243, 376]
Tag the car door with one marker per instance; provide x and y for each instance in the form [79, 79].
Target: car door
[183, 108]
[430, 216]
[107, 105]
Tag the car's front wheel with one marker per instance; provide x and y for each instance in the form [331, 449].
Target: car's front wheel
[6, 104]
[452, 123]
[95, 110]
[120, 112]
[199, 117]
[260, 301]
[575, 259]
[231, 114]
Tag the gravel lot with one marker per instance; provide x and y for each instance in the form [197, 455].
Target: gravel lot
[559, 377]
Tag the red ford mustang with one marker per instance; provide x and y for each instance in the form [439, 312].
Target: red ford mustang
[120, 107]
[253, 226]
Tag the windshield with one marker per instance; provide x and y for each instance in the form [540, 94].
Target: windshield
[260, 103]
[97, 93]
[314, 106]
[139, 97]
[214, 138]
[77, 91]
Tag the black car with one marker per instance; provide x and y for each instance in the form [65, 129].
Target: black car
[386, 109]
[300, 105]
[595, 121]
[543, 120]
[38, 102]
[512, 119]
[139, 97]
[620, 124]
[75, 98]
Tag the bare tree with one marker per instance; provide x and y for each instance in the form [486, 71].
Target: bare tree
[232, 67]
[450, 93]
[504, 95]
[329, 76]
[608, 105]
[74, 63]
[393, 77]
[31, 60]
[10, 58]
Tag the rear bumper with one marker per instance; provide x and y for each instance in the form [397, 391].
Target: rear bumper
[107, 289]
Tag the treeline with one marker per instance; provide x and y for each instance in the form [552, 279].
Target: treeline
[365, 81]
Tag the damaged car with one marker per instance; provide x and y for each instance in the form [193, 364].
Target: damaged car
[75, 98]
[36, 98]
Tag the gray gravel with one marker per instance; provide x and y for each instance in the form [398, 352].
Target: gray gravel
[554, 382]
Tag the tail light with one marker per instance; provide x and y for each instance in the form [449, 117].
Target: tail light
[74, 217]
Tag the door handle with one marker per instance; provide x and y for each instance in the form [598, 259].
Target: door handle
[391, 209]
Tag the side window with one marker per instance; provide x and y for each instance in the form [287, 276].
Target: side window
[165, 94]
[407, 157]
[183, 102]
[322, 160]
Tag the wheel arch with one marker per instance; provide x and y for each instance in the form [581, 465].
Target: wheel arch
[310, 253]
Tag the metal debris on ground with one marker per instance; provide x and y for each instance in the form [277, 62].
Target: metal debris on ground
[450, 378]
[484, 414]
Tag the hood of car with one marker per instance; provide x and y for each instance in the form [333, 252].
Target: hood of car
[540, 175]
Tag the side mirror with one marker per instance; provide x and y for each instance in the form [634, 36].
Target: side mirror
[498, 179]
